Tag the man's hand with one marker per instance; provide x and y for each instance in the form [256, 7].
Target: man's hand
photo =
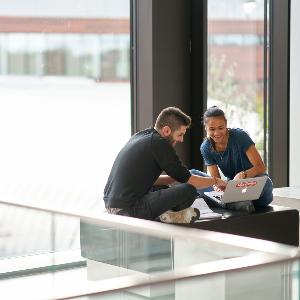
[220, 184]
[216, 188]
[201, 182]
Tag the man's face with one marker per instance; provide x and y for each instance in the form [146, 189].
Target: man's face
[176, 136]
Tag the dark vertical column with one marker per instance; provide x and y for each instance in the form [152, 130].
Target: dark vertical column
[142, 64]
[199, 78]
[162, 62]
[279, 93]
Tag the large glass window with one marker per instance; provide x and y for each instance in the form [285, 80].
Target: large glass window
[64, 100]
[237, 64]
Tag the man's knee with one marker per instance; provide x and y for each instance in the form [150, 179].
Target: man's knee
[189, 190]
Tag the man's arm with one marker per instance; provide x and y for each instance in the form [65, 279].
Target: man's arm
[164, 180]
[203, 182]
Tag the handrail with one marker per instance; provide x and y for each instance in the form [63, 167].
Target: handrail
[199, 270]
[266, 252]
[162, 230]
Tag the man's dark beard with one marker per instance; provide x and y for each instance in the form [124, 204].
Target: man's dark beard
[170, 140]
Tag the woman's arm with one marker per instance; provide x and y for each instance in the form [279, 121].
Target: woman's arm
[257, 162]
[214, 171]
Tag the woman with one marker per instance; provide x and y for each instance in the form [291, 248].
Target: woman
[234, 152]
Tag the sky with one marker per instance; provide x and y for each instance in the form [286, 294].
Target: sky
[217, 9]
[66, 8]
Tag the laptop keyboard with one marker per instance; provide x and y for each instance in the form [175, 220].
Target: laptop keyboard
[219, 197]
[215, 196]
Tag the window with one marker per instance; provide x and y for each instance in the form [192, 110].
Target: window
[64, 105]
[237, 64]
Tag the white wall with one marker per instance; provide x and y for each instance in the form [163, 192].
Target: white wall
[294, 94]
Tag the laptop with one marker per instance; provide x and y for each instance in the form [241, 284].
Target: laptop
[239, 190]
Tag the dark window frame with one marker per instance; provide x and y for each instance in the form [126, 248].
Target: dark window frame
[279, 92]
[161, 62]
[144, 69]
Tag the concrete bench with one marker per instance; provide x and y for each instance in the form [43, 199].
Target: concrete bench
[273, 223]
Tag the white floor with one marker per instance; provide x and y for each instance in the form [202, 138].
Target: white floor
[59, 138]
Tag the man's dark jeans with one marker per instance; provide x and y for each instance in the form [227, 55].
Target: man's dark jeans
[162, 199]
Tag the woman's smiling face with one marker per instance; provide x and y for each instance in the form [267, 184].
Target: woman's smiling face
[216, 129]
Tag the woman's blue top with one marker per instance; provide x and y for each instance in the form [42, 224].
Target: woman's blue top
[233, 159]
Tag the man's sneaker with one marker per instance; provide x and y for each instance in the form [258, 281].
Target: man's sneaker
[188, 215]
[246, 206]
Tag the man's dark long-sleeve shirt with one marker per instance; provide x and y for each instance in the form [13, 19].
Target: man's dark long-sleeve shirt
[138, 165]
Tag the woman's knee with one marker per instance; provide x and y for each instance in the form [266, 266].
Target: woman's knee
[198, 172]
[267, 194]
[268, 186]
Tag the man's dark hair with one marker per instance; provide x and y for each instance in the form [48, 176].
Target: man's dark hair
[172, 117]
[213, 111]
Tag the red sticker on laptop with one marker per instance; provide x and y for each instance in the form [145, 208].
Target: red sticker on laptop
[246, 184]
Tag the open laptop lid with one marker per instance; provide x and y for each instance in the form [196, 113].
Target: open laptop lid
[242, 189]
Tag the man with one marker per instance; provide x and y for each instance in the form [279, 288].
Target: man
[139, 165]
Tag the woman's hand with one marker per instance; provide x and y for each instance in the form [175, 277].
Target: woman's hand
[240, 175]
[220, 184]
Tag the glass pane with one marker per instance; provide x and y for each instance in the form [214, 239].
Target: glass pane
[115, 257]
[236, 63]
[27, 232]
[64, 112]
[65, 97]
